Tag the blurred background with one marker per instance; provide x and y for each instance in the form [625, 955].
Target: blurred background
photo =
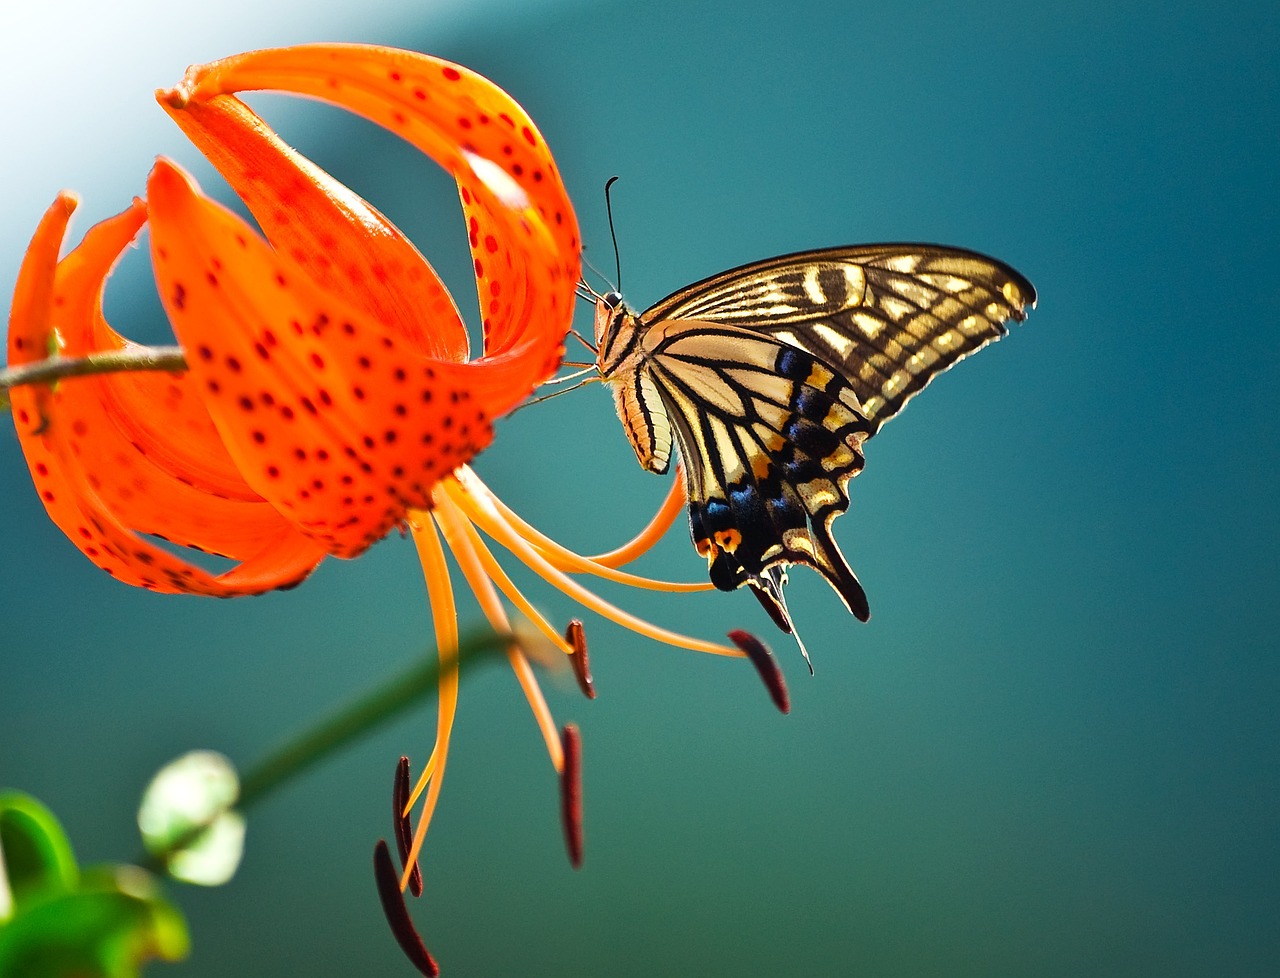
[1053, 750]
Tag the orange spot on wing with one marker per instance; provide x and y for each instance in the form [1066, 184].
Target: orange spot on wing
[728, 540]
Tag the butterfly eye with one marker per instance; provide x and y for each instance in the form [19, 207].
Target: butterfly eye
[612, 299]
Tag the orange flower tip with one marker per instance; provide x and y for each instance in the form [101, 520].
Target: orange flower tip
[576, 636]
[571, 793]
[403, 827]
[766, 665]
[165, 172]
[384, 872]
[174, 98]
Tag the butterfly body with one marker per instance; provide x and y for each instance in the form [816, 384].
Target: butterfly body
[770, 377]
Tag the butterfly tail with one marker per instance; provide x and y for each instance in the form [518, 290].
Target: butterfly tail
[767, 587]
[831, 564]
[770, 600]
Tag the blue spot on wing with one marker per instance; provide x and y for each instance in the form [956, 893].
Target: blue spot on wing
[793, 364]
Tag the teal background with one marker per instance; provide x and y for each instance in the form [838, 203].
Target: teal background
[1053, 750]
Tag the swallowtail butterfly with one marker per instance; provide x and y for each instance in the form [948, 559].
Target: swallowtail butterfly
[769, 378]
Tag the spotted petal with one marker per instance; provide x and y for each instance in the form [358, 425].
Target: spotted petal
[102, 476]
[521, 225]
[327, 412]
[343, 244]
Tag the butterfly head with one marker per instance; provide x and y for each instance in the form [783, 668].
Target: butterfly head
[615, 327]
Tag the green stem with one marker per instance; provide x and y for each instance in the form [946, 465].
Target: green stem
[340, 729]
[168, 358]
[353, 721]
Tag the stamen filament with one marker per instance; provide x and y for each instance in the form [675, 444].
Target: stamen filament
[421, 783]
[481, 512]
[453, 524]
[567, 560]
[507, 587]
[651, 534]
[444, 617]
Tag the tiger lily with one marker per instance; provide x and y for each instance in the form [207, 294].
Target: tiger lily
[329, 396]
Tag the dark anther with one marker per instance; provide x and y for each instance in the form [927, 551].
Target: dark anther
[571, 793]
[766, 665]
[577, 637]
[403, 826]
[384, 873]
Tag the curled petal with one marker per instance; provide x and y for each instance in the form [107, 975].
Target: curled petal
[326, 412]
[342, 242]
[98, 482]
[522, 229]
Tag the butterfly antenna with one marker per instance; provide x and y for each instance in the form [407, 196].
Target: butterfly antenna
[608, 206]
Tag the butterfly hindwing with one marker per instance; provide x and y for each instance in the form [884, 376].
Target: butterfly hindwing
[771, 437]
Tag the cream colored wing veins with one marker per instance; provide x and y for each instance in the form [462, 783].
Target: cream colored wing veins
[889, 317]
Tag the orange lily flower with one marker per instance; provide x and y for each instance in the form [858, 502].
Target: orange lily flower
[329, 395]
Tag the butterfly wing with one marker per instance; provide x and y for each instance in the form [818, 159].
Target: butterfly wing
[770, 435]
[888, 317]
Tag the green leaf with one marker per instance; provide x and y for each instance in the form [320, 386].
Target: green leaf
[186, 818]
[112, 924]
[35, 856]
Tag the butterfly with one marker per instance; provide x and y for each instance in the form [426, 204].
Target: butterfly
[769, 378]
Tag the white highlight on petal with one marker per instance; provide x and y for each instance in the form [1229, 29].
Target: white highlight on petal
[503, 185]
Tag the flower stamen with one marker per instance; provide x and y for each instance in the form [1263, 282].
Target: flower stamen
[662, 521]
[481, 511]
[384, 874]
[766, 665]
[403, 825]
[571, 794]
[444, 616]
[576, 636]
[508, 587]
[454, 527]
[567, 560]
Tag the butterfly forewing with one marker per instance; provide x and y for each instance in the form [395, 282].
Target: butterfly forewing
[890, 317]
